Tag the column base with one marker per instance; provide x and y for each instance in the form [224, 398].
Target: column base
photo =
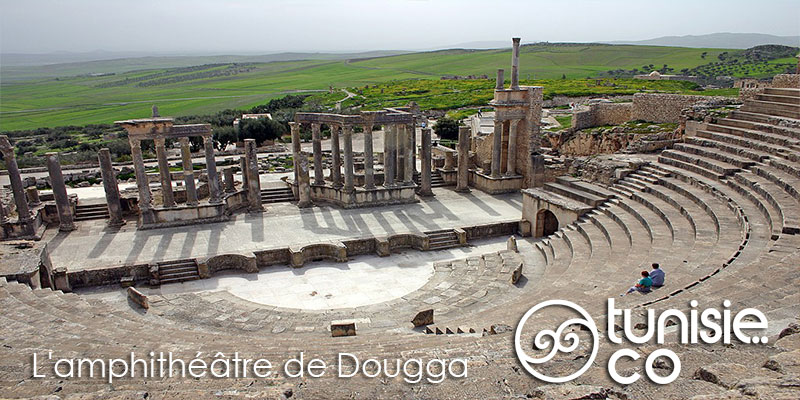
[425, 193]
[463, 190]
[66, 227]
[305, 204]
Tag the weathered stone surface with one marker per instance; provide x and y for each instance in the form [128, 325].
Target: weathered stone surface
[517, 274]
[723, 374]
[138, 298]
[786, 363]
[423, 318]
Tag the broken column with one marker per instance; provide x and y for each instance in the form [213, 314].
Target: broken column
[316, 140]
[142, 184]
[303, 181]
[515, 64]
[462, 183]
[164, 174]
[188, 172]
[511, 158]
[32, 193]
[111, 188]
[500, 79]
[369, 161]
[400, 153]
[389, 155]
[16, 181]
[214, 187]
[227, 173]
[538, 169]
[349, 178]
[336, 165]
[65, 214]
[425, 154]
[243, 168]
[497, 150]
[253, 182]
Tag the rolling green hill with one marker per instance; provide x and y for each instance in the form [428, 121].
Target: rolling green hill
[80, 100]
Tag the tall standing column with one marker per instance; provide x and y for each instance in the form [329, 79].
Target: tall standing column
[462, 182]
[400, 153]
[164, 174]
[111, 188]
[243, 168]
[408, 159]
[336, 165]
[303, 181]
[511, 166]
[253, 182]
[294, 127]
[497, 143]
[316, 139]
[498, 85]
[214, 186]
[425, 155]
[389, 160]
[349, 178]
[16, 180]
[515, 64]
[369, 161]
[188, 172]
[65, 214]
[142, 184]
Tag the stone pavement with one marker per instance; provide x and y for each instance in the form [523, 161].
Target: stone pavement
[93, 245]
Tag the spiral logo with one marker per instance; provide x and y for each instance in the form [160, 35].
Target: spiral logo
[558, 339]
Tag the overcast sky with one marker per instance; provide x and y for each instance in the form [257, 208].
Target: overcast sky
[252, 26]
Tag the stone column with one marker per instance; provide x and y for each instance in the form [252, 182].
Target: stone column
[188, 172]
[511, 159]
[497, 143]
[294, 128]
[369, 161]
[500, 79]
[142, 184]
[408, 156]
[349, 178]
[253, 183]
[538, 169]
[449, 161]
[303, 181]
[111, 188]
[214, 186]
[336, 165]
[3, 215]
[243, 168]
[401, 131]
[425, 155]
[389, 159]
[462, 183]
[515, 64]
[227, 173]
[163, 173]
[65, 214]
[316, 139]
[16, 180]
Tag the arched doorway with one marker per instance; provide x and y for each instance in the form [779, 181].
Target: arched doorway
[546, 223]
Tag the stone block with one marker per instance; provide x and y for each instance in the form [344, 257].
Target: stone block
[516, 274]
[61, 280]
[382, 247]
[126, 281]
[343, 328]
[525, 228]
[423, 318]
[462, 236]
[511, 244]
[138, 298]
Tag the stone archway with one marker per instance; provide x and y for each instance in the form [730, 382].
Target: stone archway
[546, 223]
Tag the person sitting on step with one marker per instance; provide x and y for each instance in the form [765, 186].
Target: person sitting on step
[643, 286]
[657, 276]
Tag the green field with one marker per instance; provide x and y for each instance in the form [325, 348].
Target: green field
[80, 100]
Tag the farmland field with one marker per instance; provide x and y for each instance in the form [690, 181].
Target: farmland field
[191, 90]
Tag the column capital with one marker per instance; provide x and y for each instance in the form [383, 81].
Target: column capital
[161, 142]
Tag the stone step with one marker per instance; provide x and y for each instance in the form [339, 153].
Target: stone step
[743, 142]
[771, 108]
[585, 186]
[783, 91]
[766, 137]
[720, 167]
[689, 167]
[713, 153]
[758, 122]
[778, 98]
[574, 193]
[653, 169]
[740, 151]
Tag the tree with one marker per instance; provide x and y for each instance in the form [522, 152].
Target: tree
[261, 129]
[223, 136]
[703, 55]
[564, 76]
[446, 128]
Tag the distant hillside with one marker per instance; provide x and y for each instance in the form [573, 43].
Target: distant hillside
[718, 40]
[20, 66]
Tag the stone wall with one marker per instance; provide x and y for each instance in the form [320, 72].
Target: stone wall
[660, 107]
[786, 81]
[602, 114]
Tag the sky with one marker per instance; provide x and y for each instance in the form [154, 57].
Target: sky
[253, 26]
